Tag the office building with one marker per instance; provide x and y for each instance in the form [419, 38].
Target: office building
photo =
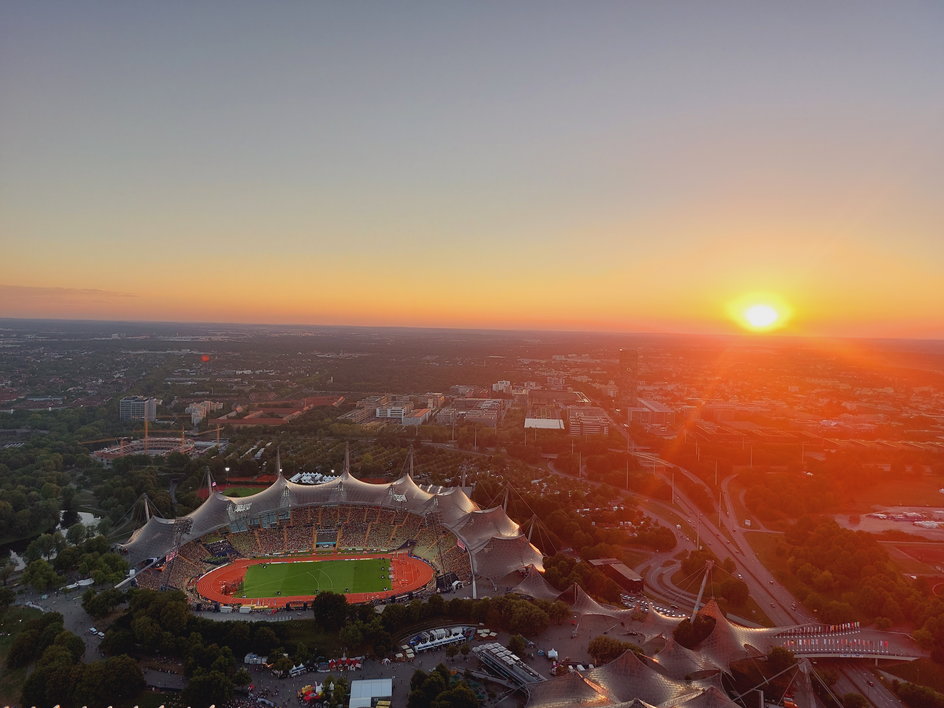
[137, 408]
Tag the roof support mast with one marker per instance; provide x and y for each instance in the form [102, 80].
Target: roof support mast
[701, 590]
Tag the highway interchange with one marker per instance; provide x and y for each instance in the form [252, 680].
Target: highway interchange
[727, 539]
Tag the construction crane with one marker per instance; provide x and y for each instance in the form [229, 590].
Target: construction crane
[146, 432]
[212, 430]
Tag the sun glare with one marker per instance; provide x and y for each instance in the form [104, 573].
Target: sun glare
[761, 316]
[760, 313]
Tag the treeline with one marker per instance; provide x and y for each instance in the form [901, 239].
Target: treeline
[440, 689]
[781, 497]
[918, 696]
[846, 575]
[160, 623]
[34, 486]
[562, 571]
[119, 486]
[59, 676]
[554, 500]
[618, 469]
[91, 558]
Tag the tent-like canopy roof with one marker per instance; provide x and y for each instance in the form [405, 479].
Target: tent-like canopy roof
[493, 539]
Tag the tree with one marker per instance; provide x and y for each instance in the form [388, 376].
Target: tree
[780, 659]
[690, 634]
[42, 547]
[264, 640]
[72, 643]
[76, 534]
[459, 696]
[330, 610]
[517, 645]
[855, 700]
[282, 665]
[100, 604]
[351, 635]
[7, 568]
[205, 689]
[109, 682]
[735, 590]
[7, 598]
[604, 649]
[41, 576]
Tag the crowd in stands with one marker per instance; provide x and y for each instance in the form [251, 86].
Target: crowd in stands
[221, 549]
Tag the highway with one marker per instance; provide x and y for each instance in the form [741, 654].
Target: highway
[854, 675]
[777, 602]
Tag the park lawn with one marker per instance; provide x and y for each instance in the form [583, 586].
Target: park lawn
[765, 546]
[303, 578]
[152, 699]
[907, 563]
[897, 490]
[12, 680]
[923, 672]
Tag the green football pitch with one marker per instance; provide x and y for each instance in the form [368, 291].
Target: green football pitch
[303, 578]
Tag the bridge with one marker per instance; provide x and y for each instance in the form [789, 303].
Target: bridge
[847, 641]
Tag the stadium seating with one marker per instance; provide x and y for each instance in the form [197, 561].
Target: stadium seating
[354, 527]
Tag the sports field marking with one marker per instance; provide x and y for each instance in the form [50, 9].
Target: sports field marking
[279, 578]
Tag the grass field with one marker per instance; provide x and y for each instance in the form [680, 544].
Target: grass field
[304, 578]
[12, 680]
[242, 491]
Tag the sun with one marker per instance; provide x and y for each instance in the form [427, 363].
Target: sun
[760, 312]
[761, 316]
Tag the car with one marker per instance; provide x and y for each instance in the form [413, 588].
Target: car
[770, 582]
[92, 630]
[772, 604]
[871, 683]
[101, 635]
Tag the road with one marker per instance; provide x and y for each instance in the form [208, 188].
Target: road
[778, 603]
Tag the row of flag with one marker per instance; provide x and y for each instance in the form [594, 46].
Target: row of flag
[824, 629]
[838, 643]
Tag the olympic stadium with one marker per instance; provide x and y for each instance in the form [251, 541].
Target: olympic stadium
[427, 537]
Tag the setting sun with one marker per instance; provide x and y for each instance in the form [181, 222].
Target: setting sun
[760, 312]
[761, 316]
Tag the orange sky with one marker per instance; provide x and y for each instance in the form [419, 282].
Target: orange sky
[621, 167]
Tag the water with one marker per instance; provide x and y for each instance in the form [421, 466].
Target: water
[15, 549]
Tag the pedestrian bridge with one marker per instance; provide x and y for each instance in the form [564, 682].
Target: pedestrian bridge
[847, 642]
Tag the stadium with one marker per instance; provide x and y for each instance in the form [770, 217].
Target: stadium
[371, 542]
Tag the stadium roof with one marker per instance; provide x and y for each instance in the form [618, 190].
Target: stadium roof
[495, 541]
[544, 423]
[625, 682]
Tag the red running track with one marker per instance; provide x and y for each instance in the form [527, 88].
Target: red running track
[409, 574]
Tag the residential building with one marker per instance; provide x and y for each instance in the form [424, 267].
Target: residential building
[137, 408]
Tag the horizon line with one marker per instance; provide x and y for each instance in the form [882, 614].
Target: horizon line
[754, 336]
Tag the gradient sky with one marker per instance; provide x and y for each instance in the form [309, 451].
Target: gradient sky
[571, 165]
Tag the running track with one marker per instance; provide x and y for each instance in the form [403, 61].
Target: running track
[409, 574]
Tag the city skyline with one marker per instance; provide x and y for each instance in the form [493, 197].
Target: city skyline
[614, 167]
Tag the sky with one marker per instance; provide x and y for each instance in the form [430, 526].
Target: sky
[616, 166]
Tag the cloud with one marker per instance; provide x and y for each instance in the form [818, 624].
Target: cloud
[33, 292]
